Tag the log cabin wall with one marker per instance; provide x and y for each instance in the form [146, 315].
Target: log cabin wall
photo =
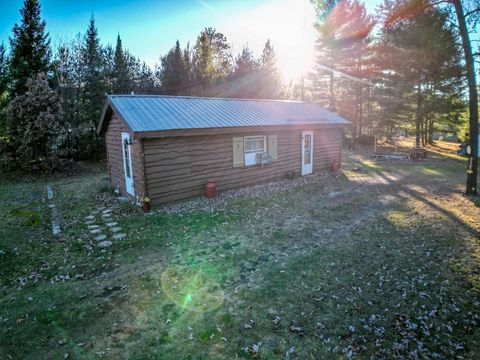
[178, 167]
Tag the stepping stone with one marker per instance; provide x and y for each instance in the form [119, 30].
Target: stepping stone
[89, 217]
[110, 224]
[105, 244]
[106, 215]
[100, 237]
[95, 231]
[116, 229]
[93, 226]
[119, 236]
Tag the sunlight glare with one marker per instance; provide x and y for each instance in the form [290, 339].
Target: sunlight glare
[289, 24]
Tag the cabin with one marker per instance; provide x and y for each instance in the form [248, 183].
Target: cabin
[167, 147]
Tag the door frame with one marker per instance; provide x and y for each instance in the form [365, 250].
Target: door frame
[307, 169]
[128, 181]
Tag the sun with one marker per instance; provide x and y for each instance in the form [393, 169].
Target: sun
[293, 36]
[289, 24]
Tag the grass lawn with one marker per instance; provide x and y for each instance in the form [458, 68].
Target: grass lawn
[378, 263]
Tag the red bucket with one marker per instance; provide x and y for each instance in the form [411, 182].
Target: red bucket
[334, 166]
[210, 189]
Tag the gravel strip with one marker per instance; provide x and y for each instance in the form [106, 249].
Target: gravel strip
[225, 198]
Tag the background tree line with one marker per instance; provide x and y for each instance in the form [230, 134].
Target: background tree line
[399, 70]
[51, 99]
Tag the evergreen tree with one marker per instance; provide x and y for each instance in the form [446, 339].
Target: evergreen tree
[93, 91]
[3, 86]
[342, 51]
[173, 71]
[245, 63]
[120, 70]
[189, 77]
[30, 51]
[269, 82]
[418, 60]
[244, 79]
[212, 62]
[144, 82]
[3, 69]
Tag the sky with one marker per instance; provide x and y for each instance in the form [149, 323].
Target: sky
[149, 28]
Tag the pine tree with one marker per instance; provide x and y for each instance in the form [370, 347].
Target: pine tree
[418, 66]
[3, 69]
[245, 76]
[93, 91]
[3, 86]
[120, 70]
[173, 71]
[189, 77]
[93, 94]
[30, 48]
[342, 51]
[212, 61]
[245, 63]
[269, 82]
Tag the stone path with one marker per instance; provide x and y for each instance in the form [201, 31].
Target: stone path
[102, 228]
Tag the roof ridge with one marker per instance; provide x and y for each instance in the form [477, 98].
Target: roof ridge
[207, 98]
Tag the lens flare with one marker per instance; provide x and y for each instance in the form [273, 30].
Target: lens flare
[191, 289]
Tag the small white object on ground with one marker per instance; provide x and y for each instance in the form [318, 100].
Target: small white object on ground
[53, 213]
[105, 243]
[119, 236]
[100, 237]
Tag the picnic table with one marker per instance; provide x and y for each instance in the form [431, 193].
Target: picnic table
[418, 154]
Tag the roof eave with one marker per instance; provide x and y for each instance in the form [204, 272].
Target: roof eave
[228, 130]
[108, 109]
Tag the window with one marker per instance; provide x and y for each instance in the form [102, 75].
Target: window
[252, 146]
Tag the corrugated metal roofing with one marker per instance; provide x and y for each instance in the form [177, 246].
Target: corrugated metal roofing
[156, 113]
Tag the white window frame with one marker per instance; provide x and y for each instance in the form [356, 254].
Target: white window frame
[250, 155]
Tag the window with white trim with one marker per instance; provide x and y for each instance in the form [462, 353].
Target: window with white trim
[252, 146]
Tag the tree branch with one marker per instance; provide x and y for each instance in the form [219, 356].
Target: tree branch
[472, 12]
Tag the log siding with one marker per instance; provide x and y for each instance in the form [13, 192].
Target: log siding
[113, 139]
[178, 167]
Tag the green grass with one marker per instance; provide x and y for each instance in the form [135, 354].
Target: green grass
[379, 263]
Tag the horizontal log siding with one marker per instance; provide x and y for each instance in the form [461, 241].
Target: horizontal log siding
[177, 168]
[113, 139]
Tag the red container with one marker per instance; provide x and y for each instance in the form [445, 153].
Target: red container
[210, 189]
[335, 165]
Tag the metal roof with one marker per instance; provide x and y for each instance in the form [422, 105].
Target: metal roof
[160, 112]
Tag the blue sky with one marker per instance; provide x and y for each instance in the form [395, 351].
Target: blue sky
[148, 28]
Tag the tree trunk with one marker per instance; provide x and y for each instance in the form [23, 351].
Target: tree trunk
[422, 132]
[472, 167]
[418, 119]
[332, 95]
[430, 131]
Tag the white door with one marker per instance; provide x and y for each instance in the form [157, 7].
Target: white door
[307, 152]
[127, 162]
